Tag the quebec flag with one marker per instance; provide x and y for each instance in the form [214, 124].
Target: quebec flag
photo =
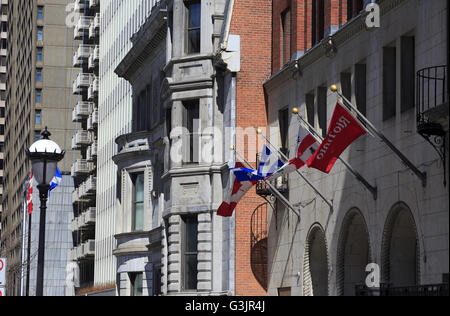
[269, 163]
[56, 180]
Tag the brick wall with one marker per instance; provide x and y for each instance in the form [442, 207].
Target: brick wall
[334, 14]
[252, 20]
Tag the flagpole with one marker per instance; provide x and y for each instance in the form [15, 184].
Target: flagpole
[330, 204]
[421, 175]
[359, 177]
[271, 186]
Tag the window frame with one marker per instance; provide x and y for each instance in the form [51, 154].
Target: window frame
[187, 5]
[134, 202]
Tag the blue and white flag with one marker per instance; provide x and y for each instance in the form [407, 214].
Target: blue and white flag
[269, 163]
[56, 180]
[244, 175]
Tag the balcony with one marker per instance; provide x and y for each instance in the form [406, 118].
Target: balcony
[432, 108]
[93, 89]
[91, 185]
[81, 111]
[94, 27]
[81, 54]
[94, 57]
[81, 29]
[281, 184]
[92, 122]
[80, 167]
[432, 97]
[91, 154]
[80, 139]
[89, 217]
[88, 249]
[82, 83]
[93, 4]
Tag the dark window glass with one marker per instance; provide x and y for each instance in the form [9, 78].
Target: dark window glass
[190, 252]
[389, 82]
[193, 26]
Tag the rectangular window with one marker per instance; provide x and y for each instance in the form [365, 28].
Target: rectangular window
[322, 109]
[193, 10]
[136, 281]
[38, 75]
[346, 85]
[39, 54]
[389, 82]
[191, 123]
[40, 33]
[40, 12]
[361, 87]
[38, 96]
[283, 118]
[37, 135]
[190, 259]
[408, 73]
[286, 36]
[38, 117]
[138, 202]
[309, 100]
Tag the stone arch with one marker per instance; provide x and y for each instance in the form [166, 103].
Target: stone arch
[400, 248]
[316, 263]
[353, 253]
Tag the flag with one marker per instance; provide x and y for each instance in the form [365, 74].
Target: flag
[269, 163]
[30, 195]
[306, 145]
[236, 190]
[244, 174]
[56, 180]
[305, 148]
[343, 131]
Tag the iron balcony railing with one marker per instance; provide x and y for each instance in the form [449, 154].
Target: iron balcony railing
[431, 91]
[258, 239]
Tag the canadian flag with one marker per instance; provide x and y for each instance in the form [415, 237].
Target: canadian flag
[305, 148]
[236, 191]
[343, 130]
[30, 195]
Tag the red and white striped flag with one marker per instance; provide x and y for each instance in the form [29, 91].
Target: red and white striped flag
[30, 195]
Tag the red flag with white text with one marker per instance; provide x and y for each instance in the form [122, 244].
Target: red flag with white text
[343, 131]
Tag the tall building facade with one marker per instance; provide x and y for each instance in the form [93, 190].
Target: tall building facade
[106, 115]
[3, 52]
[85, 141]
[394, 73]
[38, 67]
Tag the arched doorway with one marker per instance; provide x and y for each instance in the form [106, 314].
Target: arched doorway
[400, 248]
[353, 253]
[315, 267]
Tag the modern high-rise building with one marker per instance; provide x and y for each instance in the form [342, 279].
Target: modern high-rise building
[85, 115]
[104, 111]
[38, 95]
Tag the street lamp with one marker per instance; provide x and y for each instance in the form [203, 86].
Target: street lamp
[44, 155]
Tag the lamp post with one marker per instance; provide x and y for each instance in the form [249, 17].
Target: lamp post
[44, 155]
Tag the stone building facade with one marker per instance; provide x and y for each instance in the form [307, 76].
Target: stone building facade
[404, 230]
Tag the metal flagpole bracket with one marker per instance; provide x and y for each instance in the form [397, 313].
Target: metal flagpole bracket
[271, 187]
[330, 203]
[421, 175]
[358, 176]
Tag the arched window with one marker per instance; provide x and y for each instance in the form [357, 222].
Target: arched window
[315, 266]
